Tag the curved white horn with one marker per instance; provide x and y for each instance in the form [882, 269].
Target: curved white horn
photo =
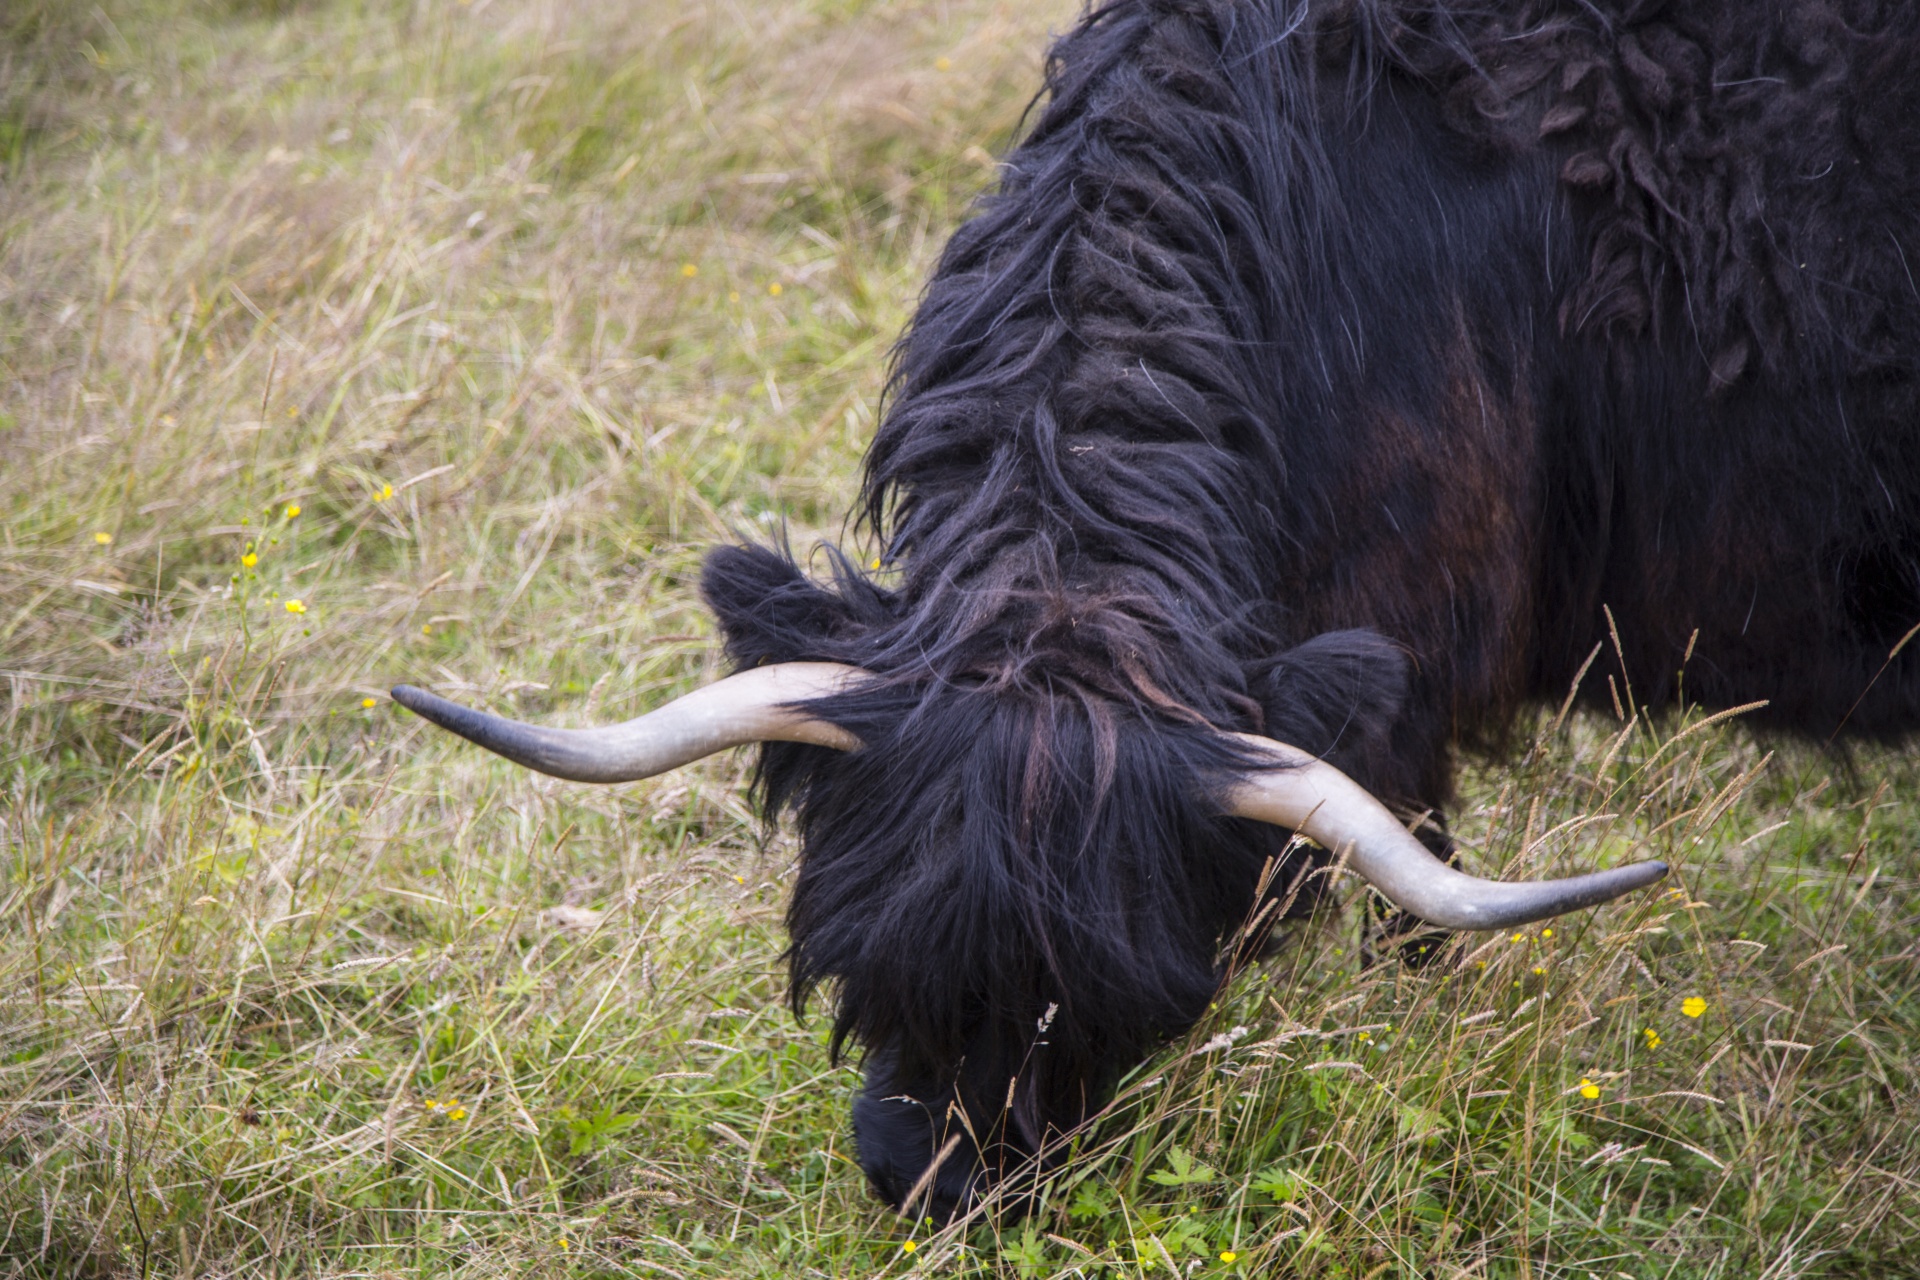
[752, 706]
[1312, 797]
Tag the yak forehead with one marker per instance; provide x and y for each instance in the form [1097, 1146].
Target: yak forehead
[1032, 820]
[990, 854]
[1042, 828]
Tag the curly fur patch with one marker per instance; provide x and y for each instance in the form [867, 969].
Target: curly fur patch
[1738, 167]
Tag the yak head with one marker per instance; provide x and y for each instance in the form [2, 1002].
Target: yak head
[1023, 869]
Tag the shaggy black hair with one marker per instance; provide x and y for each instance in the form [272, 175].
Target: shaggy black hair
[1322, 370]
[1021, 885]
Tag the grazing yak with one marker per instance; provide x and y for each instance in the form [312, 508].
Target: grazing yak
[1322, 381]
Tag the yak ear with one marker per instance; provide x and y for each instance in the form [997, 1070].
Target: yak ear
[1338, 696]
[770, 611]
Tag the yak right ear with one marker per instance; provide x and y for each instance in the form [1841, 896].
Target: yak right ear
[771, 612]
[1338, 696]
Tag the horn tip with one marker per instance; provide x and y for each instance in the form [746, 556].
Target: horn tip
[408, 696]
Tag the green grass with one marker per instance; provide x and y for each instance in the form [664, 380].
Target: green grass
[291, 986]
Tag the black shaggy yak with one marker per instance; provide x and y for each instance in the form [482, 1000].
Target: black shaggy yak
[1328, 372]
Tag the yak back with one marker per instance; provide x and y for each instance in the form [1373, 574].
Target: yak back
[1451, 321]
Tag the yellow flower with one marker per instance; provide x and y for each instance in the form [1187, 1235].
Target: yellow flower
[1546, 933]
[1539, 969]
[103, 538]
[1693, 1006]
[689, 271]
[875, 564]
[386, 491]
[426, 629]
[733, 295]
[369, 703]
[249, 559]
[1653, 1038]
[1228, 1255]
[564, 1243]
[458, 1113]
[943, 64]
[908, 1246]
[1366, 1035]
[296, 607]
[1519, 937]
[1588, 1089]
[774, 289]
[293, 509]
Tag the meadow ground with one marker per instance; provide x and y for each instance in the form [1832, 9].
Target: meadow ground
[348, 341]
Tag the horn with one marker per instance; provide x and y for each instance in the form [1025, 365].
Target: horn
[751, 706]
[1298, 791]
[1316, 799]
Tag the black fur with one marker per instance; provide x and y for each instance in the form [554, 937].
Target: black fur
[1329, 371]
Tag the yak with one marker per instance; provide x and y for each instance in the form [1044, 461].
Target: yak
[1321, 382]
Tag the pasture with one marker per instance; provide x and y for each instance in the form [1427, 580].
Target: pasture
[345, 342]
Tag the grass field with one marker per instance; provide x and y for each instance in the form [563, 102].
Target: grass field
[350, 341]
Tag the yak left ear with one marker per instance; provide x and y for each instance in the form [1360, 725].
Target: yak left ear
[770, 611]
[1338, 696]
